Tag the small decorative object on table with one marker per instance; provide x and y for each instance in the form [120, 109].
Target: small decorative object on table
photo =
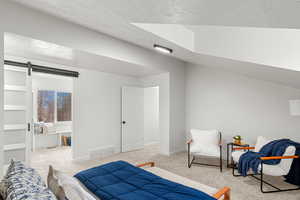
[237, 139]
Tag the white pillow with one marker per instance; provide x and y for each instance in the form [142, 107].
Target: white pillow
[54, 185]
[72, 187]
[261, 141]
[205, 142]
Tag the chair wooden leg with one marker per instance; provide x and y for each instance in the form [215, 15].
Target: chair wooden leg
[227, 195]
[224, 192]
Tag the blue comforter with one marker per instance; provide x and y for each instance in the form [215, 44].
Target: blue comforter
[251, 160]
[123, 181]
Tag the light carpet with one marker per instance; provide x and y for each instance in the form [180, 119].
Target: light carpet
[243, 188]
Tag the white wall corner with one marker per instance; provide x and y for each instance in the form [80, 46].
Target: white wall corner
[1, 100]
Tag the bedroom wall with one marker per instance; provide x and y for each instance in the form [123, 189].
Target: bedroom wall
[237, 104]
[78, 37]
[177, 111]
[163, 82]
[151, 115]
[97, 111]
[171, 109]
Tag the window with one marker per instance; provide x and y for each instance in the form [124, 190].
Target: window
[46, 103]
[54, 106]
[64, 106]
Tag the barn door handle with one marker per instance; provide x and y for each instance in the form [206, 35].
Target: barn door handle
[28, 127]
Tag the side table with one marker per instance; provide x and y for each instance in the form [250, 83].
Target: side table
[229, 150]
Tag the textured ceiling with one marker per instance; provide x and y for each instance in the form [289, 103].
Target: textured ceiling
[114, 17]
[256, 13]
[195, 12]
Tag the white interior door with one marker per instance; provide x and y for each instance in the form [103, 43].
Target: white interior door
[17, 114]
[132, 118]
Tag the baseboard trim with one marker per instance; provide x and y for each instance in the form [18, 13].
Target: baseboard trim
[151, 143]
[82, 158]
[132, 147]
[178, 151]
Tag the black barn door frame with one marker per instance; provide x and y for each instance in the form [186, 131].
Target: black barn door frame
[42, 69]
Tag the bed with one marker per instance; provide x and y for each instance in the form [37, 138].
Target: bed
[107, 182]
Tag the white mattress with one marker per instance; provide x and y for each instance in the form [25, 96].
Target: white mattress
[182, 180]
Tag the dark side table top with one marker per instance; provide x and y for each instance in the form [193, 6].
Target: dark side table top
[239, 145]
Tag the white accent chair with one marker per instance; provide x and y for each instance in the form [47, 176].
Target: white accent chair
[205, 143]
[281, 169]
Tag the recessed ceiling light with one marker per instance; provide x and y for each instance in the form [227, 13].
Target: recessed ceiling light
[162, 49]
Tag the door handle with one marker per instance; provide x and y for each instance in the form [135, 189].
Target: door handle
[123, 122]
[28, 127]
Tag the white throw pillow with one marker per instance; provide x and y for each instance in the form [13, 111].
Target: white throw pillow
[54, 185]
[205, 142]
[261, 141]
[72, 187]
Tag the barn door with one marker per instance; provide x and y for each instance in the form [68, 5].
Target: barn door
[17, 113]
